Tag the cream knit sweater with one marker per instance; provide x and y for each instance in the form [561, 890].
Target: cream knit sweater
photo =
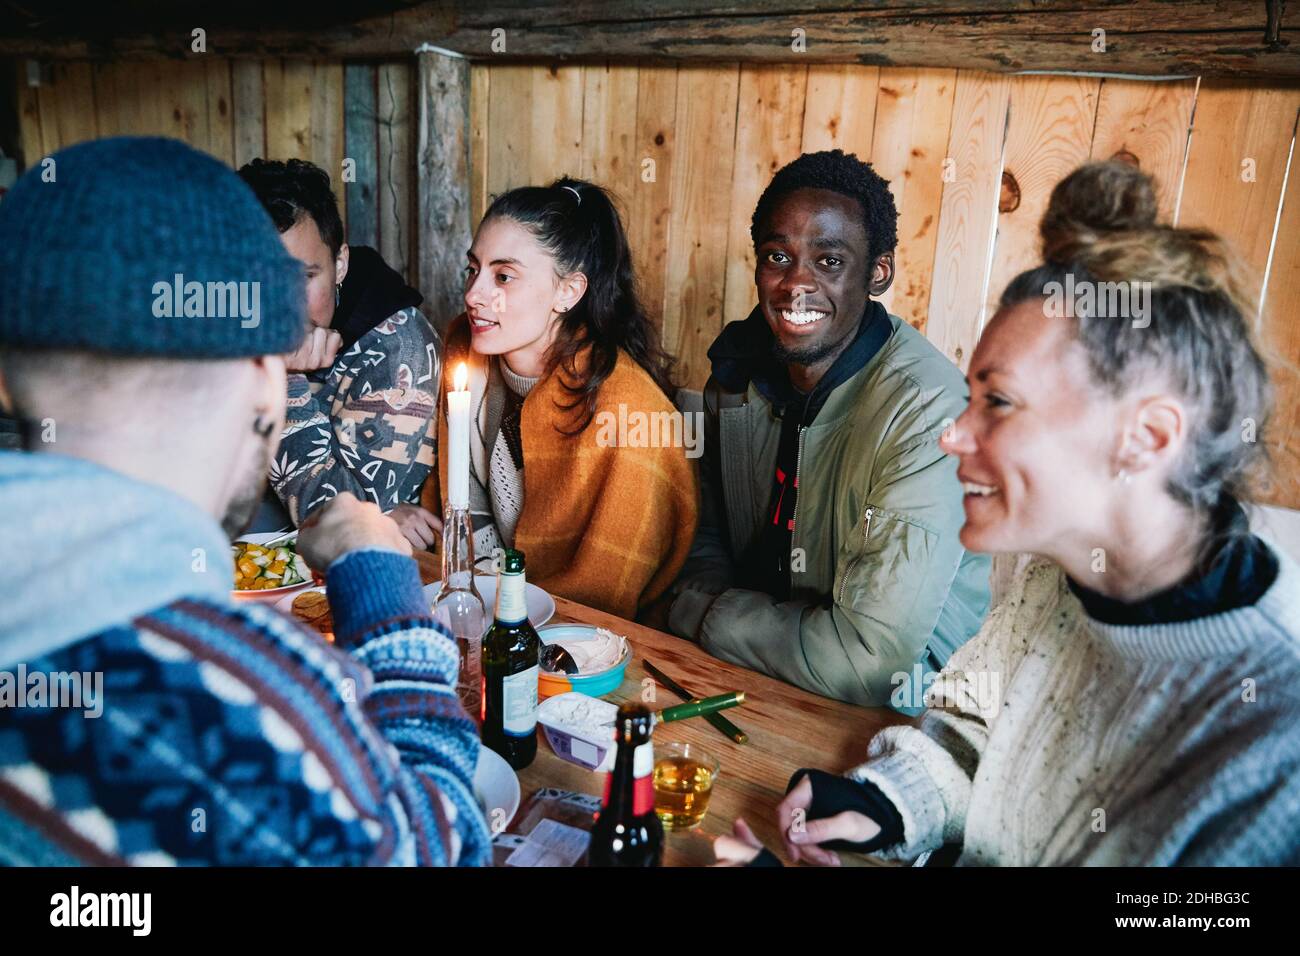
[1055, 739]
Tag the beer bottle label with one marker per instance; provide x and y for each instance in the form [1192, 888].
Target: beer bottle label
[519, 703]
[643, 768]
[511, 606]
[643, 784]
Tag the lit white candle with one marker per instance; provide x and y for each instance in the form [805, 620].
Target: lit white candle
[458, 439]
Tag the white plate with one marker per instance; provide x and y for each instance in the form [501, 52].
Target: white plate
[496, 788]
[540, 605]
[274, 595]
[285, 604]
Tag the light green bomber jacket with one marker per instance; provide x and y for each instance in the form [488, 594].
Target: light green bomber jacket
[887, 592]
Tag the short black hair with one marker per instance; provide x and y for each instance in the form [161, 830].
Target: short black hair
[293, 189]
[847, 175]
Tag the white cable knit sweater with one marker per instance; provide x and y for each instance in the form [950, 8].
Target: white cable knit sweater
[1144, 745]
[505, 481]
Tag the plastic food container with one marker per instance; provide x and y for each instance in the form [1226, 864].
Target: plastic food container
[580, 745]
[601, 682]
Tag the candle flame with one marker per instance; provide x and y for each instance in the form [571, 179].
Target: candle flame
[460, 377]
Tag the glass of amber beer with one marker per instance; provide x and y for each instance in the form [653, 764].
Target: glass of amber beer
[683, 782]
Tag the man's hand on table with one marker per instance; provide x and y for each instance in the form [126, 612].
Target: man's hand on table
[345, 524]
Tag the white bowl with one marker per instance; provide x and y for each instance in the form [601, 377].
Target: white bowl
[274, 595]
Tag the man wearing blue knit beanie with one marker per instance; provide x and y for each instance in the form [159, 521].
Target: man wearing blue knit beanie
[146, 302]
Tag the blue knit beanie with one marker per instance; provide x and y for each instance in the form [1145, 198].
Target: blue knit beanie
[142, 246]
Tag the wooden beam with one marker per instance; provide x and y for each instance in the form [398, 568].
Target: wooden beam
[29, 117]
[443, 173]
[248, 99]
[11, 135]
[397, 167]
[360, 145]
[1241, 38]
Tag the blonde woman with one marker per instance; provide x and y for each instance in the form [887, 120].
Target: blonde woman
[1148, 670]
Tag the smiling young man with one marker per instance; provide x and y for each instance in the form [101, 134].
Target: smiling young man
[828, 551]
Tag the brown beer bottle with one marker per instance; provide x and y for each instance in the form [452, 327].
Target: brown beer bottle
[627, 832]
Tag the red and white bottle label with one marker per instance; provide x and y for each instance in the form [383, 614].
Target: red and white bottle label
[643, 788]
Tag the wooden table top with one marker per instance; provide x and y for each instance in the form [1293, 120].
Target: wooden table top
[788, 728]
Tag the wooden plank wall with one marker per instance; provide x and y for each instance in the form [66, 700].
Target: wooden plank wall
[240, 109]
[686, 149]
[971, 158]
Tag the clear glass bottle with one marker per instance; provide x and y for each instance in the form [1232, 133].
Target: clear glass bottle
[460, 608]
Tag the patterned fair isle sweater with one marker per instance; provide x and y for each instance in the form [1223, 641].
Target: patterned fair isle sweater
[364, 424]
[1055, 739]
[230, 735]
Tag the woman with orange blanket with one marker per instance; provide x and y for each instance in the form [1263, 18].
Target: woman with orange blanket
[558, 349]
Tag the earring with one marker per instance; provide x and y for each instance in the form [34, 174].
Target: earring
[263, 430]
[338, 294]
[1123, 477]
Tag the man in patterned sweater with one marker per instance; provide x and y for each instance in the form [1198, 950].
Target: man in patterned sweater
[363, 385]
[144, 717]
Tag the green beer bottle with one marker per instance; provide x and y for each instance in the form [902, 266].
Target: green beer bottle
[510, 652]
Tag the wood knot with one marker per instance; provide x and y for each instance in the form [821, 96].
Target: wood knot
[1124, 156]
[1009, 201]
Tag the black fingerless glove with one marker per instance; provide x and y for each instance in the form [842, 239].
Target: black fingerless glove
[765, 858]
[832, 794]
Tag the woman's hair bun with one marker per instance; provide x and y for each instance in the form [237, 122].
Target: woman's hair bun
[1094, 200]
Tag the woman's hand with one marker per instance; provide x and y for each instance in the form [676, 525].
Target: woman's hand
[801, 835]
[740, 848]
[420, 526]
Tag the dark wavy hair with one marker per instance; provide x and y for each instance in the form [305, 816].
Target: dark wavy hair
[576, 222]
[294, 189]
[842, 173]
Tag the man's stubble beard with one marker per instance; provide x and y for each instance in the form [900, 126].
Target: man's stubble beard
[806, 356]
[244, 505]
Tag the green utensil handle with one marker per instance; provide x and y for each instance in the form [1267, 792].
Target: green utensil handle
[697, 708]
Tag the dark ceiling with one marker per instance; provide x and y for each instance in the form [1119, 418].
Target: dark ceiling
[59, 18]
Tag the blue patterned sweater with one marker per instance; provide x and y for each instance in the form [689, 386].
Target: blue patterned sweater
[211, 732]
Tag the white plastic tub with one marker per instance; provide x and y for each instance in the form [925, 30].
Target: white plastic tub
[580, 744]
